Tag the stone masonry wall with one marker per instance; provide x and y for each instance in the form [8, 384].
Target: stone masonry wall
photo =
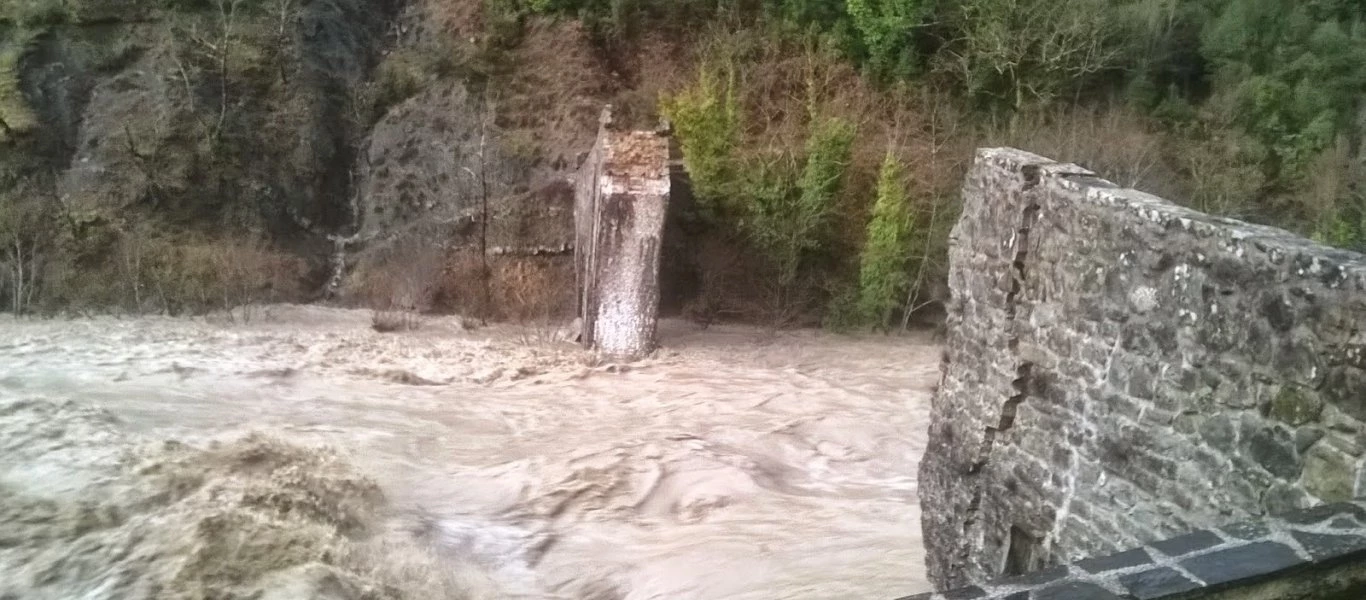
[621, 201]
[1119, 370]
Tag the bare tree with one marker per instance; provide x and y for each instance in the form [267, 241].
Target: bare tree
[214, 45]
[1024, 51]
[26, 232]
[481, 177]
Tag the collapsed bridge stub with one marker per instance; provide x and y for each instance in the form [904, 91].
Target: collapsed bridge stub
[620, 206]
[1119, 369]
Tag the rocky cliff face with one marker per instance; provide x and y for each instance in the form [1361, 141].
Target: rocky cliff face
[328, 130]
[217, 108]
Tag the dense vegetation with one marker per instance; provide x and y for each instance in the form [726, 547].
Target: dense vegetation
[1249, 108]
[826, 139]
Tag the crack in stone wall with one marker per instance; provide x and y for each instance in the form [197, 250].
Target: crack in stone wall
[1163, 370]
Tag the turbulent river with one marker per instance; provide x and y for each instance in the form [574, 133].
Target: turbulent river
[734, 464]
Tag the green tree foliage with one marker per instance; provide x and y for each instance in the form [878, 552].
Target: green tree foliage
[1014, 53]
[706, 118]
[1346, 226]
[789, 219]
[883, 276]
[782, 202]
[1294, 72]
[885, 29]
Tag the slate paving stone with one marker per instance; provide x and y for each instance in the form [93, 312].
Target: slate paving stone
[1251, 560]
[1324, 512]
[1344, 523]
[1186, 544]
[1247, 530]
[1156, 583]
[967, 593]
[1038, 577]
[1205, 556]
[1113, 562]
[1321, 546]
[1074, 590]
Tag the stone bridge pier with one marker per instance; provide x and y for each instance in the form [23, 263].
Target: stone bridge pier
[1121, 371]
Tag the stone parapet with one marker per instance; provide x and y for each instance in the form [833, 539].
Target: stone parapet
[1119, 370]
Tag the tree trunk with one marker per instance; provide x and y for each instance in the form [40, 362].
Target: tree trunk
[619, 210]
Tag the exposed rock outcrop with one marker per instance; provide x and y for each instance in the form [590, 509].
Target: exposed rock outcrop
[338, 130]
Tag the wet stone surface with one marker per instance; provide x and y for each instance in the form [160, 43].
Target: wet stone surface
[1186, 544]
[1241, 562]
[1159, 582]
[1164, 372]
[1242, 554]
[1129, 558]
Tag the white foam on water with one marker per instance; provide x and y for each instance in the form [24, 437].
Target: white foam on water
[734, 464]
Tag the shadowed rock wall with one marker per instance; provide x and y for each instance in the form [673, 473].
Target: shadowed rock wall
[1120, 370]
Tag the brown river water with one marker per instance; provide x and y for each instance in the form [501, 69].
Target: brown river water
[734, 464]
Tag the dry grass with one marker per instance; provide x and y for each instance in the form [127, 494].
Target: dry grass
[223, 274]
[461, 19]
[1193, 167]
[461, 287]
[400, 277]
[141, 271]
[412, 278]
[554, 89]
[1115, 142]
[529, 289]
[520, 289]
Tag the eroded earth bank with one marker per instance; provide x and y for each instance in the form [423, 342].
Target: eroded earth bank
[301, 454]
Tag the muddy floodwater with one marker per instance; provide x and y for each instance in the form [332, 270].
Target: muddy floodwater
[735, 464]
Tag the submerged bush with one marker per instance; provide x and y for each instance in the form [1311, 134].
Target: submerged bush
[706, 119]
[883, 276]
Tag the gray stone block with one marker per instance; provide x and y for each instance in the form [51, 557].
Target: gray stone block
[1157, 583]
[1247, 530]
[1187, 544]
[1038, 577]
[966, 593]
[1325, 512]
[1073, 590]
[1323, 546]
[1241, 562]
[1122, 560]
[1274, 449]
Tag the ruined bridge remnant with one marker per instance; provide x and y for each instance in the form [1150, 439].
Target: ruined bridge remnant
[1120, 370]
[619, 211]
